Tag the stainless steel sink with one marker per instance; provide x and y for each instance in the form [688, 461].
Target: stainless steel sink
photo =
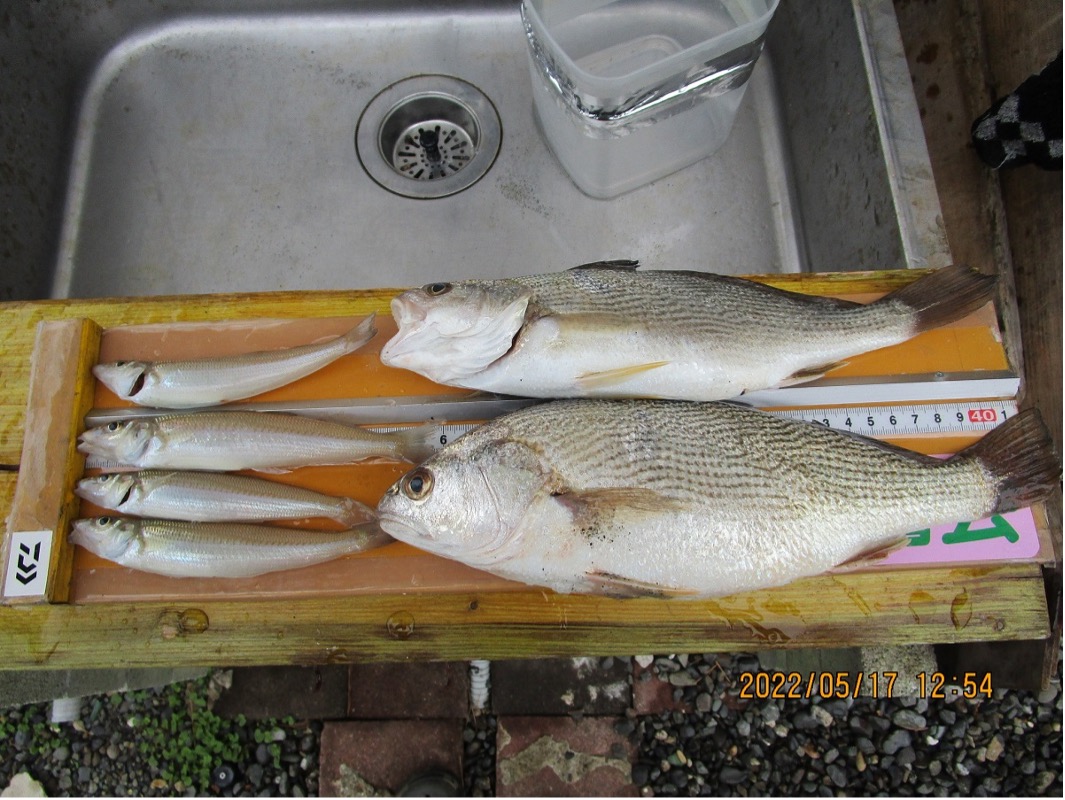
[187, 147]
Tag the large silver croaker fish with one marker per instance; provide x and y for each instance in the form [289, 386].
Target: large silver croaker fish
[208, 550]
[210, 381]
[607, 330]
[215, 497]
[234, 440]
[631, 497]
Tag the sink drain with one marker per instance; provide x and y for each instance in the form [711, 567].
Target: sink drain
[428, 136]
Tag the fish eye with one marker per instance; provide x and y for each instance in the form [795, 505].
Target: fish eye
[103, 521]
[418, 484]
[436, 289]
[113, 426]
[121, 363]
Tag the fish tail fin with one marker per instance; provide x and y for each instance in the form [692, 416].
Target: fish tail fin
[352, 513]
[361, 334]
[946, 295]
[1020, 458]
[418, 443]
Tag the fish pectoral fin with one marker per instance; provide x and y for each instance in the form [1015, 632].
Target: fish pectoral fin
[610, 377]
[595, 510]
[619, 586]
[612, 500]
[808, 374]
[870, 558]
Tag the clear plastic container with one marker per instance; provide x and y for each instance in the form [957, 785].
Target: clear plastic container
[628, 91]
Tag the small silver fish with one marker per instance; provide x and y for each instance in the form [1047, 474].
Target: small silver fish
[215, 497]
[210, 381]
[631, 497]
[607, 330]
[210, 550]
[234, 440]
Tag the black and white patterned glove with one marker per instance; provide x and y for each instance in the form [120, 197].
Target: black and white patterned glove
[1024, 126]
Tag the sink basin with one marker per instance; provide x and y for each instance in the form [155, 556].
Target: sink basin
[192, 147]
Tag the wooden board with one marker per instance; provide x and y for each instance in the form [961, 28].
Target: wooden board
[925, 607]
[37, 555]
[969, 346]
[333, 615]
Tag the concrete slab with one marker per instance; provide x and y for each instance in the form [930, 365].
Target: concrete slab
[288, 691]
[563, 757]
[807, 660]
[556, 686]
[427, 690]
[363, 758]
[22, 687]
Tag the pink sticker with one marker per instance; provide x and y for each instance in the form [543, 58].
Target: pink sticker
[1000, 537]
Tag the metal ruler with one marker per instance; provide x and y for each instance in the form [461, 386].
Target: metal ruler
[906, 419]
[909, 419]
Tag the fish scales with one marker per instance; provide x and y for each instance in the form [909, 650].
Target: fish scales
[234, 440]
[696, 499]
[611, 331]
[210, 381]
[610, 449]
[276, 434]
[727, 309]
[215, 497]
[211, 550]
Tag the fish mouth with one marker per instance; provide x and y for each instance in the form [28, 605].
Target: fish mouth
[403, 531]
[407, 311]
[125, 380]
[91, 441]
[90, 492]
[410, 316]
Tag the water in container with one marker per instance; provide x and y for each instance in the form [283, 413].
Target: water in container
[627, 91]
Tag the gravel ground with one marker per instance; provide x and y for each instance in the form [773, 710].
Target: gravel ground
[1008, 744]
[168, 742]
[160, 743]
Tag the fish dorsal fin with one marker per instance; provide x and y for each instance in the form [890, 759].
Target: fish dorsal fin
[613, 585]
[628, 265]
[611, 377]
[872, 557]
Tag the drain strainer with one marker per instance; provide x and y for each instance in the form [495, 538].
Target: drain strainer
[428, 136]
[433, 149]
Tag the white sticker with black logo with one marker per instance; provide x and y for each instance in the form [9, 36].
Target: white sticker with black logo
[27, 563]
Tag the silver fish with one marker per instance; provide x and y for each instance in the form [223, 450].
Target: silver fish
[234, 440]
[215, 497]
[210, 550]
[607, 330]
[630, 497]
[210, 381]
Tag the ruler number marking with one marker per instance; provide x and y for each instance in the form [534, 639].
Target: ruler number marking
[909, 419]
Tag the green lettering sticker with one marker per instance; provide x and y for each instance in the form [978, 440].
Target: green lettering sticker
[999, 528]
[920, 538]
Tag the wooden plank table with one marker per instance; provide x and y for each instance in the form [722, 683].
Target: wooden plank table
[452, 612]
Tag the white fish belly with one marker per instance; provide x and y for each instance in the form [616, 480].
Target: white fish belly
[708, 553]
[275, 444]
[205, 497]
[551, 361]
[201, 550]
